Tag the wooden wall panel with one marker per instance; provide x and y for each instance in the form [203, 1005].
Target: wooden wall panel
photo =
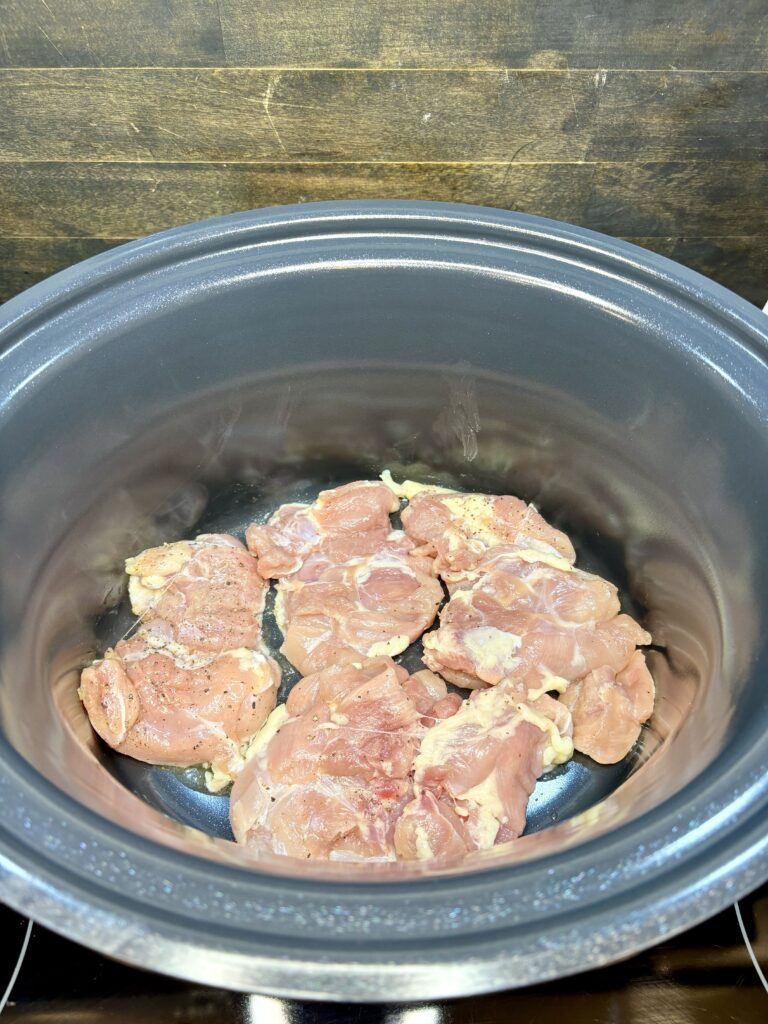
[96, 33]
[679, 198]
[705, 34]
[128, 200]
[223, 115]
[645, 120]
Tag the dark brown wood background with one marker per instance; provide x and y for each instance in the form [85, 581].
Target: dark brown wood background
[643, 118]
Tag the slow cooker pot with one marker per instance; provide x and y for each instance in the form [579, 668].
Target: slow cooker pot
[194, 379]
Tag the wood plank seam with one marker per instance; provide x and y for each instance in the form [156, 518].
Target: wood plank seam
[299, 162]
[499, 69]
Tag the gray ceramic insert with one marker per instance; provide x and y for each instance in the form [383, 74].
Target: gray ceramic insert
[171, 384]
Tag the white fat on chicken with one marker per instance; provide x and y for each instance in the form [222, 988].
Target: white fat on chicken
[389, 648]
[408, 488]
[550, 683]
[492, 648]
[485, 761]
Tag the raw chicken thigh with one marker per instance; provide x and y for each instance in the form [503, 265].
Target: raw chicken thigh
[332, 770]
[366, 763]
[460, 530]
[350, 586]
[427, 691]
[522, 614]
[193, 686]
[533, 624]
[475, 771]
[608, 709]
[149, 704]
[369, 606]
[205, 594]
[347, 522]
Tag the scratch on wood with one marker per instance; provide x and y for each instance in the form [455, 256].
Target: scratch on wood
[5, 46]
[570, 87]
[134, 127]
[519, 150]
[45, 5]
[271, 86]
[576, 122]
[51, 41]
[508, 168]
[503, 185]
[84, 30]
[168, 132]
[281, 103]
[601, 76]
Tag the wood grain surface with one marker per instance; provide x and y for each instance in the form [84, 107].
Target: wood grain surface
[461, 34]
[238, 115]
[645, 120]
[125, 200]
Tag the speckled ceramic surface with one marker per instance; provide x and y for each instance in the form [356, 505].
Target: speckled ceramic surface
[704, 975]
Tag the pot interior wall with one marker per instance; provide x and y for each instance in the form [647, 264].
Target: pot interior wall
[172, 406]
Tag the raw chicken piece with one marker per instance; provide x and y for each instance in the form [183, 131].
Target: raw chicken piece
[330, 818]
[366, 732]
[539, 626]
[351, 586]
[193, 686]
[521, 612]
[427, 691]
[534, 654]
[608, 709]
[370, 606]
[481, 766]
[153, 705]
[428, 828]
[568, 596]
[430, 695]
[355, 769]
[330, 774]
[336, 681]
[348, 522]
[460, 530]
[205, 594]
